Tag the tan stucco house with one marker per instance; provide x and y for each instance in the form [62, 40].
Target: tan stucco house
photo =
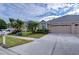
[65, 24]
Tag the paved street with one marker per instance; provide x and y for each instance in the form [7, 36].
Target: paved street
[7, 52]
[51, 44]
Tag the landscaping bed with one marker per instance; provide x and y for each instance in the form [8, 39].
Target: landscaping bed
[11, 42]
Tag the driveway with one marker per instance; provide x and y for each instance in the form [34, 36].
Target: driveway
[67, 44]
[42, 46]
[51, 44]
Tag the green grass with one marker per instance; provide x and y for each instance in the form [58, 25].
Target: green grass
[11, 42]
[36, 35]
[31, 35]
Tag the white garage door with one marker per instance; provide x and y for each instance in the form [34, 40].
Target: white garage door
[60, 29]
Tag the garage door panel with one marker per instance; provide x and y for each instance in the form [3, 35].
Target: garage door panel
[77, 29]
[59, 29]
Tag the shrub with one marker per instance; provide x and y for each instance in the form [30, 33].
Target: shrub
[12, 33]
[42, 31]
[15, 32]
[26, 33]
[19, 33]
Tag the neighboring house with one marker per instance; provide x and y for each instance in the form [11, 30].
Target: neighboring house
[43, 25]
[24, 28]
[65, 24]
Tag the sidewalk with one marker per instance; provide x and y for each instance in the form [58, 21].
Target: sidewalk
[26, 38]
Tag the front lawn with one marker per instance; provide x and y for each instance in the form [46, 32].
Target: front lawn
[11, 42]
[30, 34]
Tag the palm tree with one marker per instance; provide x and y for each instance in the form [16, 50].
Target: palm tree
[16, 24]
[19, 25]
[12, 22]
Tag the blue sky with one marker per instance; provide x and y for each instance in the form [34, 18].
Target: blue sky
[35, 11]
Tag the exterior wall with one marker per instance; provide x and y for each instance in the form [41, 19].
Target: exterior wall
[72, 28]
[43, 25]
[60, 29]
[77, 29]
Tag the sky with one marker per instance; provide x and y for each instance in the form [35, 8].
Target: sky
[37, 11]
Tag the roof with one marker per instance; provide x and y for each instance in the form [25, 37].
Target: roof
[65, 20]
[43, 21]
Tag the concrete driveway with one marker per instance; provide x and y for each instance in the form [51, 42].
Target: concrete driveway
[42, 46]
[51, 44]
[66, 45]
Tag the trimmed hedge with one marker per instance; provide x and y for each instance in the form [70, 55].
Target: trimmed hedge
[26, 33]
[42, 31]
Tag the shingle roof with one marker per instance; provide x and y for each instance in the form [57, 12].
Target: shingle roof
[64, 20]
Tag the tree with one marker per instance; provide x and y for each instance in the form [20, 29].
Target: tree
[12, 22]
[32, 25]
[3, 24]
[16, 24]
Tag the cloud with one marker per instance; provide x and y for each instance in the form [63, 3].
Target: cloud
[60, 10]
[36, 11]
[25, 11]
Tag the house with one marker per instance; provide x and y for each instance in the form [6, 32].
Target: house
[65, 24]
[24, 27]
[43, 25]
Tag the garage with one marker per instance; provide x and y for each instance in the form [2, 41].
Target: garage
[76, 28]
[64, 24]
[60, 29]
